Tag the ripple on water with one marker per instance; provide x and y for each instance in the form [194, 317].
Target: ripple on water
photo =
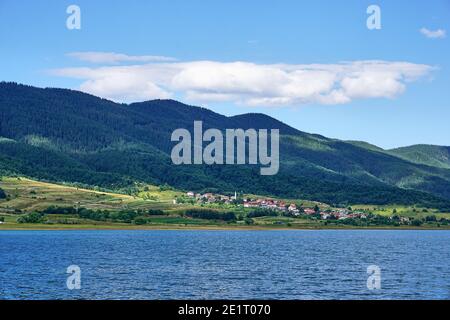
[323, 264]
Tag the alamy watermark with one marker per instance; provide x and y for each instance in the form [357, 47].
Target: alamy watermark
[73, 281]
[374, 20]
[237, 141]
[73, 21]
[374, 279]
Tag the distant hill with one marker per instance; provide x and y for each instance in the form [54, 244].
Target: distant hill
[66, 135]
[436, 156]
[366, 145]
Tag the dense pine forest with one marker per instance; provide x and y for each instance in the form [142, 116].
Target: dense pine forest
[67, 136]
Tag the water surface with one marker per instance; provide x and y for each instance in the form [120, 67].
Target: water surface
[325, 264]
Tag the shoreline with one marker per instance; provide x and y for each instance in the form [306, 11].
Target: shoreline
[209, 228]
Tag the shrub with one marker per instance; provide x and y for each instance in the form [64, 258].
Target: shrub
[210, 214]
[60, 210]
[262, 213]
[2, 194]
[34, 217]
[125, 216]
[249, 221]
[153, 212]
[140, 221]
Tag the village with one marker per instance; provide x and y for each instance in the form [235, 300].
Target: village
[283, 207]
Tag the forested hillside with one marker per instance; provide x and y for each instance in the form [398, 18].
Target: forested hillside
[430, 155]
[65, 135]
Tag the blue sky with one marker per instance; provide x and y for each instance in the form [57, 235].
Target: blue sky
[250, 56]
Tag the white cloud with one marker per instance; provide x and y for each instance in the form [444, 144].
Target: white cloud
[248, 83]
[113, 58]
[434, 34]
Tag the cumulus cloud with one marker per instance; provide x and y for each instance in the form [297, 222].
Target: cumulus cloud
[434, 34]
[248, 83]
[113, 58]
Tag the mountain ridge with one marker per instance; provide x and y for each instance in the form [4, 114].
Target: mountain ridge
[112, 145]
[428, 154]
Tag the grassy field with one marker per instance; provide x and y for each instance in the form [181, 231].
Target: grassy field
[403, 211]
[25, 196]
[29, 195]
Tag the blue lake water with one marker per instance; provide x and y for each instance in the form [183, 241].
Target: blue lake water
[323, 264]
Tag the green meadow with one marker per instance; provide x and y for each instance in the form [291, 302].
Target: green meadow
[26, 196]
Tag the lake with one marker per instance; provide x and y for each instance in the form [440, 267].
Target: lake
[323, 264]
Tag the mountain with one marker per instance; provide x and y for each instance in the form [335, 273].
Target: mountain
[65, 135]
[429, 155]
